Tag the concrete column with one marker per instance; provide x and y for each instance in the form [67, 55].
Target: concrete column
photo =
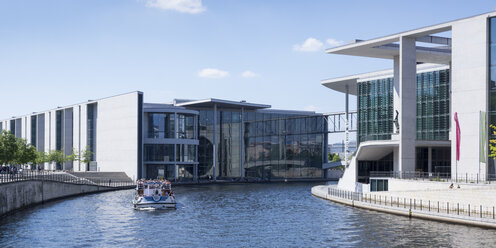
[242, 138]
[405, 68]
[215, 143]
[429, 159]
[346, 132]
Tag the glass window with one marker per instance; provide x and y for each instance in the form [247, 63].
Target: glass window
[159, 152]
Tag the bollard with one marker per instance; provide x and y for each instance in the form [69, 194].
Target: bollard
[429, 205]
[420, 205]
[458, 208]
[447, 207]
[468, 210]
[438, 206]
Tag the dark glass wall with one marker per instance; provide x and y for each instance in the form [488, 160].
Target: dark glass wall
[161, 125]
[270, 149]
[365, 167]
[33, 130]
[491, 170]
[279, 146]
[375, 109]
[91, 129]
[58, 134]
[433, 105]
[12, 126]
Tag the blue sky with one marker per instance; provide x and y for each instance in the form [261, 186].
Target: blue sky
[56, 53]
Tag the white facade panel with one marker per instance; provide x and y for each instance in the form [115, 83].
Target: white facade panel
[117, 134]
[469, 90]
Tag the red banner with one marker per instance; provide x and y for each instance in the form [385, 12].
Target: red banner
[458, 137]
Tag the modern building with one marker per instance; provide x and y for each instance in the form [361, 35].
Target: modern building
[406, 115]
[183, 140]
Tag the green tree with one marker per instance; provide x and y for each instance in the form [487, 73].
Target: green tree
[41, 158]
[56, 156]
[8, 148]
[26, 153]
[336, 158]
[492, 142]
[85, 155]
[333, 157]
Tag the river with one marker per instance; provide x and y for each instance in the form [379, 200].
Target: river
[238, 215]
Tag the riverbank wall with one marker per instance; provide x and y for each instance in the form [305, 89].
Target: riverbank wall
[412, 208]
[23, 194]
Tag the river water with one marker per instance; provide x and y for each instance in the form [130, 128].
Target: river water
[242, 215]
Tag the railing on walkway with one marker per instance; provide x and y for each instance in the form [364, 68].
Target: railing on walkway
[438, 208]
[60, 177]
[436, 176]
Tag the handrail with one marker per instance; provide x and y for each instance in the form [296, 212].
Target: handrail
[28, 175]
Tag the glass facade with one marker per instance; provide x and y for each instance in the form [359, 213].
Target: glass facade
[175, 157]
[284, 146]
[275, 145]
[433, 105]
[91, 130]
[161, 125]
[365, 167]
[375, 109]
[186, 126]
[159, 152]
[12, 126]
[33, 130]
[58, 135]
[491, 170]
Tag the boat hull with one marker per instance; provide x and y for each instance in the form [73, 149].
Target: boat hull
[154, 205]
[158, 203]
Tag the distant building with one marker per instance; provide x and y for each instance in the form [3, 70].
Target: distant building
[339, 148]
[184, 140]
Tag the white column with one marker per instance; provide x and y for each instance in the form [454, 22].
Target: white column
[405, 71]
[215, 143]
[346, 132]
[242, 135]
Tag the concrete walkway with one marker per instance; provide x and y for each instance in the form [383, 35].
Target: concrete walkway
[477, 215]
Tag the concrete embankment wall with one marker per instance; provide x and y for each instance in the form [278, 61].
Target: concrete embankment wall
[22, 194]
[322, 192]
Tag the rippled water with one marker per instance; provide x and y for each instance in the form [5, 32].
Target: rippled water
[244, 215]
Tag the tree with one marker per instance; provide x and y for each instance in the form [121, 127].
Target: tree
[333, 157]
[8, 148]
[56, 156]
[26, 153]
[85, 156]
[492, 142]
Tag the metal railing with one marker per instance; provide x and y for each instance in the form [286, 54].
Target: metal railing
[436, 176]
[28, 175]
[474, 212]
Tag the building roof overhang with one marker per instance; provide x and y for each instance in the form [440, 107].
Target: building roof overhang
[209, 103]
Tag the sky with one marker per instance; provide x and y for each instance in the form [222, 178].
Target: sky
[61, 52]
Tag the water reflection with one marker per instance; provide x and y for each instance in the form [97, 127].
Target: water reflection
[255, 215]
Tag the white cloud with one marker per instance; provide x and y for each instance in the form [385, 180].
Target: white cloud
[310, 45]
[334, 43]
[249, 74]
[311, 108]
[183, 6]
[212, 73]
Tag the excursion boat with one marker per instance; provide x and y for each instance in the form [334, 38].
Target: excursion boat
[154, 194]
